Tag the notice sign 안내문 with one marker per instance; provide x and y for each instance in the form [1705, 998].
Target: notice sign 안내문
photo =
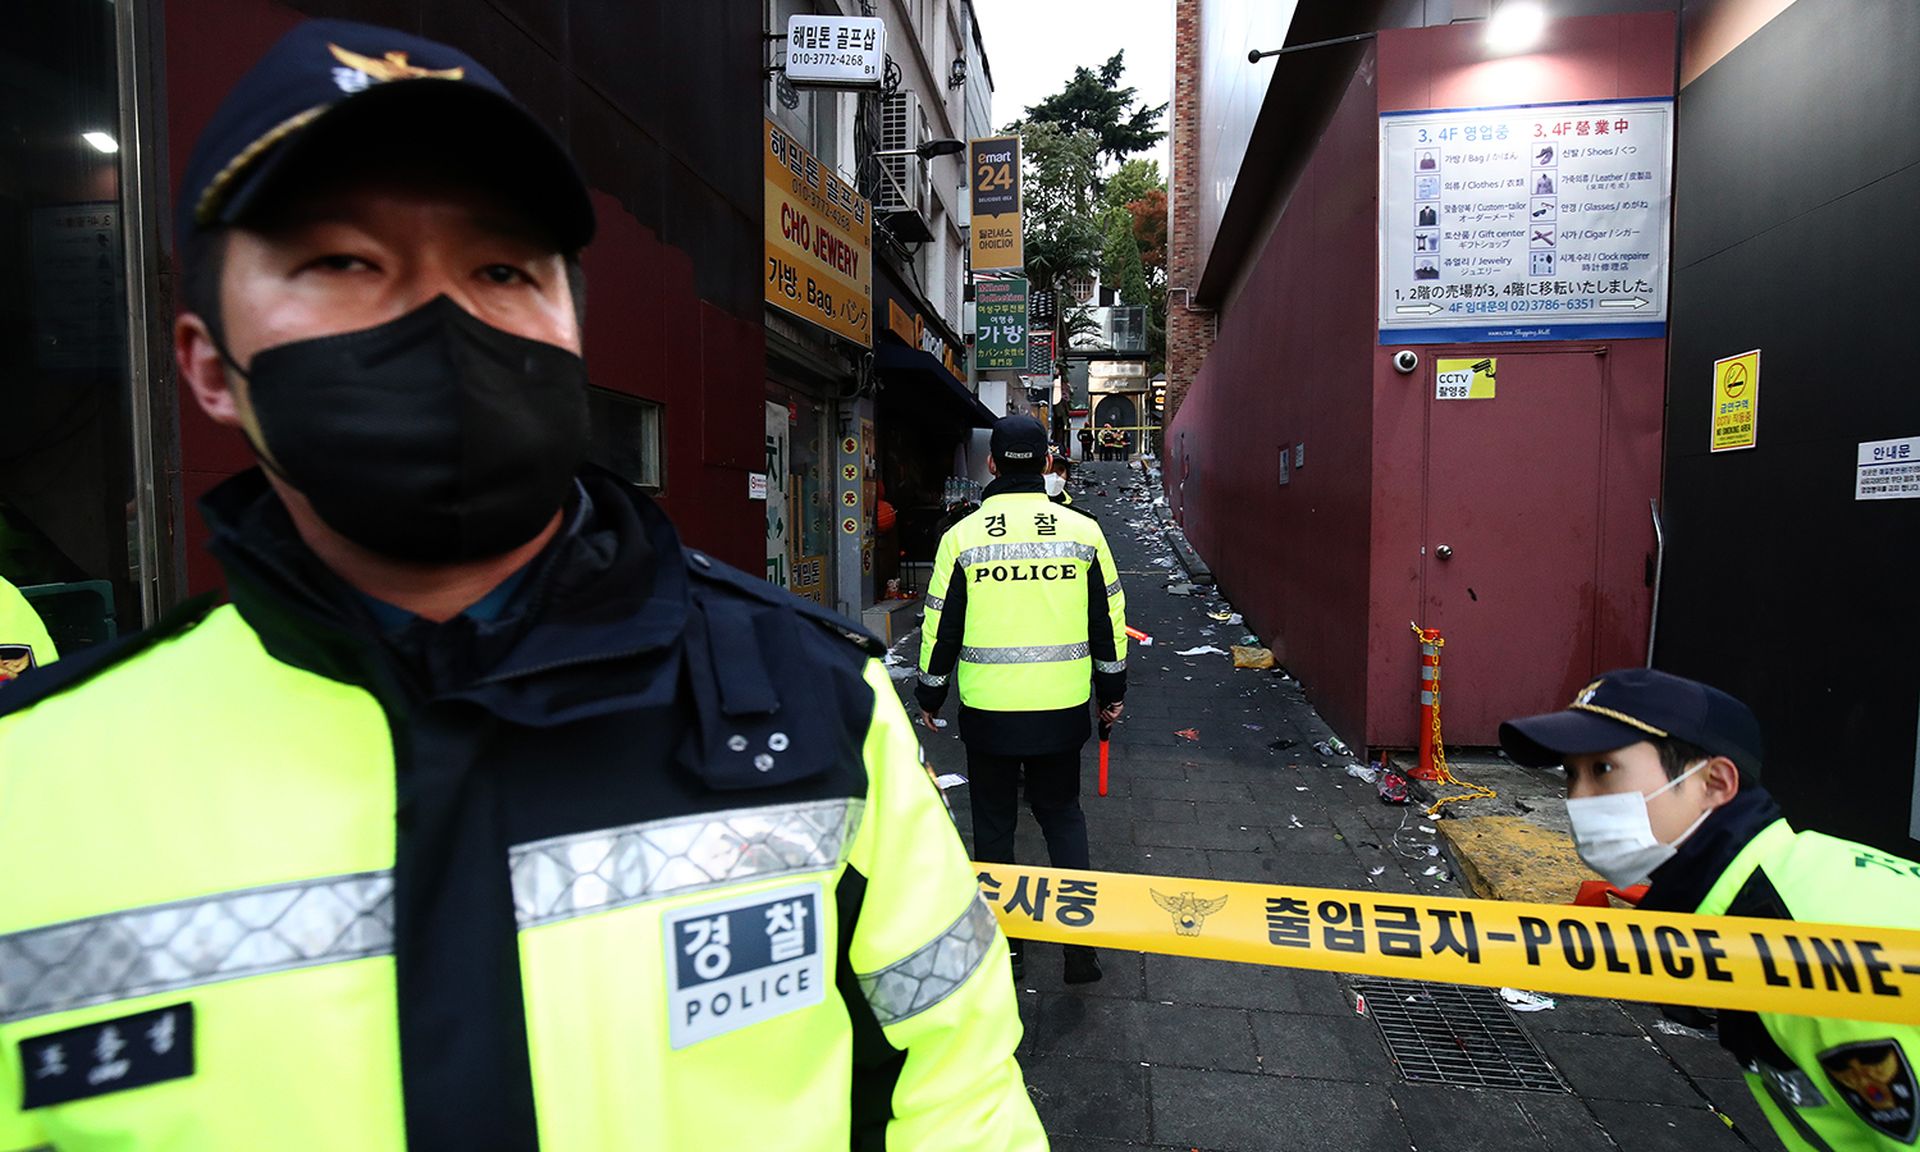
[1000, 308]
[1736, 402]
[1530, 222]
[1888, 470]
[819, 241]
[993, 176]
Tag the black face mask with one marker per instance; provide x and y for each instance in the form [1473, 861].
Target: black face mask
[434, 437]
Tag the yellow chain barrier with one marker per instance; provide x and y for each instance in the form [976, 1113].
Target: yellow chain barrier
[1853, 973]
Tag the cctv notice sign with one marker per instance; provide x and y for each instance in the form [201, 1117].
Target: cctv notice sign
[993, 175]
[1528, 222]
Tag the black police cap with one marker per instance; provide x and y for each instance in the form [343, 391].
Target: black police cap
[1019, 440]
[335, 88]
[1635, 704]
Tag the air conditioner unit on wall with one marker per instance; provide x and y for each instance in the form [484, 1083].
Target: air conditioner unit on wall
[901, 125]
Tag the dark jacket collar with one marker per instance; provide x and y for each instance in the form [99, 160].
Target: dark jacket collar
[610, 584]
[1683, 882]
[1003, 485]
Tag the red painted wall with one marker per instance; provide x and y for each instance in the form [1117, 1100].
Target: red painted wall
[650, 331]
[1329, 566]
[1291, 366]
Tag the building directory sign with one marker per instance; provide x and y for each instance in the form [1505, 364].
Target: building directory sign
[1530, 222]
[819, 241]
[993, 175]
[836, 51]
[1000, 308]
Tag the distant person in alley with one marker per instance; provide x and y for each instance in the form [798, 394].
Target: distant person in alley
[1663, 785]
[1025, 610]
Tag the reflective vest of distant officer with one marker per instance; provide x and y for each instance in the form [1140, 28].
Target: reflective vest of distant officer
[24, 642]
[1025, 610]
[486, 816]
[1663, 779]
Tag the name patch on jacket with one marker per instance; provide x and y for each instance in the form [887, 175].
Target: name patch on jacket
[741, 961]
[109, 1056]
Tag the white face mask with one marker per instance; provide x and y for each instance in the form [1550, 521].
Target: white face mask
[1056, 483]
[1614, 834]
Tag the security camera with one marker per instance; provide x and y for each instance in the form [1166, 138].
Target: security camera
[1405, 361]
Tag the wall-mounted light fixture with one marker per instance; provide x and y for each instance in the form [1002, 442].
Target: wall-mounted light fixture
[1516, 26]
[101, 142]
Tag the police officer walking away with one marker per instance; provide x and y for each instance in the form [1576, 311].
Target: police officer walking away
[486, 816]
[1025, 610]
[1663, 784]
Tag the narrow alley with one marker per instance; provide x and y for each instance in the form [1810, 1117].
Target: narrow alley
[1214, 776]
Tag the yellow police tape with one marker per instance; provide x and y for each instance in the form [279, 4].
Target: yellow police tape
[1666, 958]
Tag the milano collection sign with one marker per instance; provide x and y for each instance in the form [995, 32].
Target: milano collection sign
[1530, 222]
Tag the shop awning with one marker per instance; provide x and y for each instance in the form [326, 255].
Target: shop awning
[917, 384]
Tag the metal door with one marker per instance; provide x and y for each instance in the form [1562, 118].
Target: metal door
[1510, 562]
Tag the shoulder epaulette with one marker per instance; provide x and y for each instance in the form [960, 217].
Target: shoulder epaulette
[708, 570]
[73, 670]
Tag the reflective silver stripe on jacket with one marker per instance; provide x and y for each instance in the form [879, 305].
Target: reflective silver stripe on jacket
[1113, 589]
[1038, 550]
[588, 872]
[188, 943]
[936, 603]
[933, 681]
[909, 987]
[1109, 665]
[1026, 654]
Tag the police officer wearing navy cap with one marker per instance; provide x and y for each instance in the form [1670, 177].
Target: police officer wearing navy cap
[1026, 614]
[1663, 785]
[487, 815]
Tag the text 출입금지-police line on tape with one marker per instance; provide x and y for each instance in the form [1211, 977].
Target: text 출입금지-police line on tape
[1709, 961]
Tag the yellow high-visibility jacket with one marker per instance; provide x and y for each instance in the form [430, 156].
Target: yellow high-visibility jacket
[649, 862]
[1026, 612]
[24, 642]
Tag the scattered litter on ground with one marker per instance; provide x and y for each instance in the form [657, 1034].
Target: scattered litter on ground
[1294, 821]
[1359, 1004]
[1377, 870]
[1668, 1027]
[1245, 657]
[1254, 727]
[900, 672]
[891, 659]
[948, 780]
[1362, 772]
[1299, 787]
[1432, 870]
[1188, 733]
[1282, 744]
[1428, 829]
[1526, 1001]
[1180, 589]
[1202, 650]
[1393, 788]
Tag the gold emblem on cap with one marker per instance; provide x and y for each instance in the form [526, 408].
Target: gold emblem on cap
[1584, 702]
[1587, 694]
[393, 66]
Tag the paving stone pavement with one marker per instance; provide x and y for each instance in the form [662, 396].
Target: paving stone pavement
[1173, 1053]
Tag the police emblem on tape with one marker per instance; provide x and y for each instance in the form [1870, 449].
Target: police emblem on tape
[1876, 1081]
[1189, 912]
[108, 1056]
[742, 961]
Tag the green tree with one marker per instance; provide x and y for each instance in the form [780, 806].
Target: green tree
[1093, 101]
[1120, 264]
[1063, 235]
[1132, 181]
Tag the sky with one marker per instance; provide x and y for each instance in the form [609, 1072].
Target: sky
[1033, 46]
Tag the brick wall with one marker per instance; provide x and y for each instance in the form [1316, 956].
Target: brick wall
[1189, 332]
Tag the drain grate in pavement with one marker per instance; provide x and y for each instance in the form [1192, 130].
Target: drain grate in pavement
[1448, 1034]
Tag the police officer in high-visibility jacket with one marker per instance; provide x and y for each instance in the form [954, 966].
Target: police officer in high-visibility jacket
[1663, 785]
[24, 642]
[1025, 610]
[486, 816]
